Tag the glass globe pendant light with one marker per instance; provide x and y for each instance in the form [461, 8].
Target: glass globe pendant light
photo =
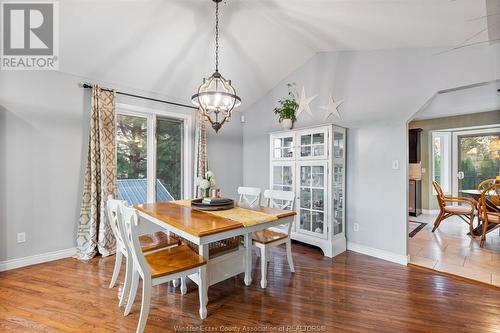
[216, 97]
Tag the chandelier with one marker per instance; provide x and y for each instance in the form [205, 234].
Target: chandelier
[216, 97]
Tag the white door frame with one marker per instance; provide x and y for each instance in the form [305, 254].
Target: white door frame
[454, 178]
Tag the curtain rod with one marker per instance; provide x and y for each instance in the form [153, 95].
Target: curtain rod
[87, 86]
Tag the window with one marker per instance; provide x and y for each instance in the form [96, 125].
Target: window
[441, 159]
[153, 155]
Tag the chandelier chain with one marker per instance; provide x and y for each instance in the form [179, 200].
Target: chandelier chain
[217, 36]
[216, 98]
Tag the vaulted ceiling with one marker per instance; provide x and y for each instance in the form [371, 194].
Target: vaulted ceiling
[166, 46]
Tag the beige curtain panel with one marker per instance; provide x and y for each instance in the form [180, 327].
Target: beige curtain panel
[94, 232]
[201, 150]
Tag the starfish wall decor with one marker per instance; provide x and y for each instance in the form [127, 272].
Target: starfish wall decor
[304, 102]
[332, 108]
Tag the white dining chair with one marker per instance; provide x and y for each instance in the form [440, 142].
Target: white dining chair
[161, 266]
[249, 195]
[149, 242]
[268, 238]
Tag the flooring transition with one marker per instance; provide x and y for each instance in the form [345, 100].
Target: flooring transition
[350, 293]
[450, 250]
[414, 227]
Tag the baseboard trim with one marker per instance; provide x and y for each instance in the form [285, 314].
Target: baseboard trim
[36, 259]
[430, 211]
[377, 253]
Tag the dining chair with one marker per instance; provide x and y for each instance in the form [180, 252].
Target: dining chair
[161, 266]
[465, 212]
[489, 217]
[495, 199]
[269, 238]
[249, 195]
[149, 242]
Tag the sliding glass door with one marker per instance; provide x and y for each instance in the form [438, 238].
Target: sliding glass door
[169, 157]
[477, 158]
[153, 155]
[131, 158]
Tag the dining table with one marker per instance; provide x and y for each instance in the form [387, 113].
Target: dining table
[203, 228]
[476, 195]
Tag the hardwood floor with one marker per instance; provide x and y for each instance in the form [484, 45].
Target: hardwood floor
[351, 293]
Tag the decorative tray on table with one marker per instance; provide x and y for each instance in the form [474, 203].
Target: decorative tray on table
[212, 204]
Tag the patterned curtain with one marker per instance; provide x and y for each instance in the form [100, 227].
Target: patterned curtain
[201, 151]
[94, 232]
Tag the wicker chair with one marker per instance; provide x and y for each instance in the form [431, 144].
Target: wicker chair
[487, 216]
[495, 199]
[465, 212]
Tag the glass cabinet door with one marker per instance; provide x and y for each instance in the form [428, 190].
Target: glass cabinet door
[338, 198]
[282, 147]
[338, 181]
[338, 144]
[282, 179]
[312, 144]
[312, 198]
[282, 176]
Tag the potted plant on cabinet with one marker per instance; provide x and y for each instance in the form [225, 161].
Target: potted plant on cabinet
[286, 108]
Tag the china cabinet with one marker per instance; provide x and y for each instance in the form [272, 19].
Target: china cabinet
[311, 163]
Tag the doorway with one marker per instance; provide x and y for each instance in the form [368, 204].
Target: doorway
[458, 159]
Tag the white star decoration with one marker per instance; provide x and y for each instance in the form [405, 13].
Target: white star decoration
[332, 108]
[304, 102]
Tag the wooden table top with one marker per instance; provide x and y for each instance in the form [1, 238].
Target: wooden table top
[198, 223]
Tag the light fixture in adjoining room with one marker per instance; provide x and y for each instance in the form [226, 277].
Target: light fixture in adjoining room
[216, 97]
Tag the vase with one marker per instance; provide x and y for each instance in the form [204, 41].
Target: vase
[286, 123]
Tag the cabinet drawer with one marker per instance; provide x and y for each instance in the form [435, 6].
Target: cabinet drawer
[225, 266]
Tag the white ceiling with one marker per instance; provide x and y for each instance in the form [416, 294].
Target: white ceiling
[166, 46]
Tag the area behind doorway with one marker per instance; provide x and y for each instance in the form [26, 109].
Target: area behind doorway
[458, 153]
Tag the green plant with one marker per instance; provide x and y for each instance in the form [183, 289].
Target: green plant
[287, 106]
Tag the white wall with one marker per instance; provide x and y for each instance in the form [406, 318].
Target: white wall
[44, 120]
[381, 89]
[3, 180]
[376, 194]
[225, 155]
